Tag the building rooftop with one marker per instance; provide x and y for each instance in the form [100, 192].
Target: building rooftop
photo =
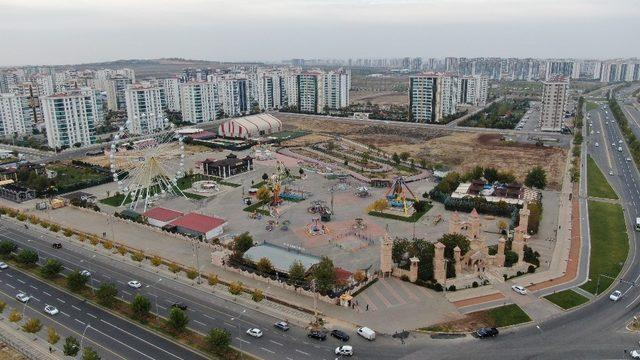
[162, 214]
[198, 222]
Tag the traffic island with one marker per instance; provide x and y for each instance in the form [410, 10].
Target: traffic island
[567, 299]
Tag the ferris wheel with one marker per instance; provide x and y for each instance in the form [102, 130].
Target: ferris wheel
[148, 168]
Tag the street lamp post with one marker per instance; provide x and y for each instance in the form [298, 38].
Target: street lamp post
[155, 297]
[93, 290]
[243, 311]
[83, 332]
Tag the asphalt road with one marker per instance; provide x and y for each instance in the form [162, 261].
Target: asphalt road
[111, 336]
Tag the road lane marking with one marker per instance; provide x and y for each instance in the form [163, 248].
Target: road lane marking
[21, 281]
[11, 286]
[33, 287]
[64, 313]
[199, 322]
[146, 342]
[75, 307]
[9, 275]
[243, 340]
[93, 316]
[229, 324]
[81, 322]
[302, 352]
[35, 298]
[267, 350]
[275, 342]
[162, 307]
[126, 292]
[209, 317]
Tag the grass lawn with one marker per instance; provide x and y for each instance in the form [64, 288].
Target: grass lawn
[609, 244]
[597, 184]
[591, 106]
[71, 175]
[567, 299]
[508, 315]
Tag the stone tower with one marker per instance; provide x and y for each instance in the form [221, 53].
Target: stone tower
[519, 241]
[413, 269]
[386, 260]
[457, 258]
[524, 217]
[474, 226]
[439, 270]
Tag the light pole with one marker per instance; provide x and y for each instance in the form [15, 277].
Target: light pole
[197, 259]
[243, 311]
[154, 295]
[83, 332]
[93, 290]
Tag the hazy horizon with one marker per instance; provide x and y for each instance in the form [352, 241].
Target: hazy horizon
[54, 32]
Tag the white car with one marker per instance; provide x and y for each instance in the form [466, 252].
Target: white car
[344, 350]
[619, 141]
[519, 289]
[22, 297]
[611, 172]
[135, 284]
[597, 145]
[51, 310]
[628, 159]
[598, 132]
[635, 354]
[615, 296]
[255, 332]
[3, 265]
[85, 273]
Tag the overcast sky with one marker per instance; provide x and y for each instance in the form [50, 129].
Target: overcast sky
[80, 31]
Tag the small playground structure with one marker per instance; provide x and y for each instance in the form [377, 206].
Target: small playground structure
[397, 195]
[342, 185]
[206, 187]
[315, 227]
[291, 193]
[359, 224]
[263, 152]
[320, 207]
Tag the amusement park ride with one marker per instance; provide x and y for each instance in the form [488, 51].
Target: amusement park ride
[397, 197]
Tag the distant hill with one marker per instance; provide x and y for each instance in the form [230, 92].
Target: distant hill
[159, 68]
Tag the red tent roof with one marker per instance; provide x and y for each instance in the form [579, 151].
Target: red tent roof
[198, 222]
[162, 214]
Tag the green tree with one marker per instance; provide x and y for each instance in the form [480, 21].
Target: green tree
[218, 339]
[7, 247]
[51, 268]
[140, 306]
[265, 176]
[404, 156]
[71, 346]
[264, 266]
[450, 241]
[263, 194]
[177, 320]
[52, 336]
[537, 178]
[324, 274]
[296, 273]
[76, 281]
[32, 326]
[106, 294]
[243, 242]
[90, 354]
[27, 257]
[395, 158]
[490, 174]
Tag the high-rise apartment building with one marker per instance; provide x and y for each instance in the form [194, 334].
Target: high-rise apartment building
[336, 89]
[70, 118]
[145, 108]
[199, 101]
[620, 70]
[233, 92]
[310, 91]
[473, 90]
[554, 101]
[432, 97]
[172, 93]
[566, 68]
[16, 115]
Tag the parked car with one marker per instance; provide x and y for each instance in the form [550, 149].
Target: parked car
[3, 265]
[255, 332]
[485, 333]
[135, 284]
[344, 350]
[51, 310]
[282, 325]
[179, 305]
[56, 245]
[366, 333]
[316, 334]
[635, 354]
[519, 289]
[340, 335]
[615, 296]
[85, 273]
[22, 297]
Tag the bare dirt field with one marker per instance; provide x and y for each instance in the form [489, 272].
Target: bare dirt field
[380, 98]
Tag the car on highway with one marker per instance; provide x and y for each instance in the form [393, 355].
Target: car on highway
[619, 141]
[22, 297]
[316, 334]
[486, 332]
[282, 325]
[635, 354]
[519, 289]
[628, 159]
[3, 265]
[56, 245]
[85, 273]
[340, 335]
[51, 310]
[344, 350]
[597, 145]
[366, 333]
[620, 148]
[135, 284]
[615, 296]
[179, 305]
[255, 332]
[611, 172]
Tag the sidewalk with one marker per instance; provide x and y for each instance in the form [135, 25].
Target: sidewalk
[32, 346]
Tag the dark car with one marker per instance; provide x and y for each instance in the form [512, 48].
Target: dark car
[315, 334]
[340, 335]
[282, 325]
[485, 333]
[180, 306]
[57, 245]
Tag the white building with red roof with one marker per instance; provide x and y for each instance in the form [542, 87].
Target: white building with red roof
[198, 225]
[160, 216]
